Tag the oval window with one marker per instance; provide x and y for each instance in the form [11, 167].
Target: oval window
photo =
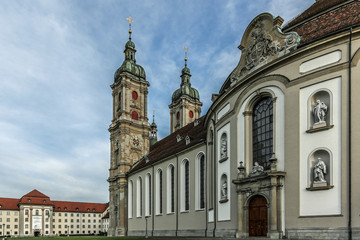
[134, 95]
[191, 114]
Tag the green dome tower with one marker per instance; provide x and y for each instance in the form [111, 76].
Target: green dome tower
[185, 104]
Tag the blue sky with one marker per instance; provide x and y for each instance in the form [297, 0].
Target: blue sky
[57, 63]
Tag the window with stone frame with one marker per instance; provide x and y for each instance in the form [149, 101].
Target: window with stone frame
[262, 132]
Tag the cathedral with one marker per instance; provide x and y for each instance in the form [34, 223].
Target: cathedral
[274, 156]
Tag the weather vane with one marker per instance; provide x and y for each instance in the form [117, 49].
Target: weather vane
[186, 50]
[130, 20]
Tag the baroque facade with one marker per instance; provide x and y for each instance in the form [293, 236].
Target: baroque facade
[35, 214]
[274, 156]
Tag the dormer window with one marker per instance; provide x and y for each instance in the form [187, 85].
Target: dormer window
[29, 200]
[88, 209]
[196, 122]
[179, 138]
[187, 140]
[65, 209]
[44, 201]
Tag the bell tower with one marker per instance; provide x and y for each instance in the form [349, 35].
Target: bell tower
[185, 104]
[129, 132]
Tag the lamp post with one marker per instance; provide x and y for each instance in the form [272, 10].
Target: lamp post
[67, 230]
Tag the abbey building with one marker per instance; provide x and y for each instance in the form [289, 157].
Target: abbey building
[274, 156]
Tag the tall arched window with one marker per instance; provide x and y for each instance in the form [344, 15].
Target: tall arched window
[148, 195]
[130, 200]
[139, 198]
[185, 186]
[262, 132]
[171, 189]
[202, 181]
[159, 191]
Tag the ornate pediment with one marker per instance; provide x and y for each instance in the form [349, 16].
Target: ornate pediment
[263, 42]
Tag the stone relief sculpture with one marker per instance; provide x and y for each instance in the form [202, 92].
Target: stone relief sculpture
[319, 174]
[223, 146]
[257, 169]
[263, 44]
[224, 190]
[319, 112]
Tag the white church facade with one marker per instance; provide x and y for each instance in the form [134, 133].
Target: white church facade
[274, 156]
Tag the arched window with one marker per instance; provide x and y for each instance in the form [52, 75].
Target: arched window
[262, 132]
[185, 186]
[171, 189]
[200, 182]
[148, 195]
[159, 191]
[130, 199]
[139, 198]
[135, 115]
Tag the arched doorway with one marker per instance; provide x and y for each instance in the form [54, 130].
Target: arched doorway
[258, 216]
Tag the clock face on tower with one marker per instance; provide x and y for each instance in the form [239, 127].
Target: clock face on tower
[135, 141]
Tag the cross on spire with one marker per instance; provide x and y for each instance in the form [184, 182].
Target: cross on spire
[186, 50]
[130, 20]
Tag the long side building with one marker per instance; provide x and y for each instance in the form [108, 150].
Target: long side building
[35, 214]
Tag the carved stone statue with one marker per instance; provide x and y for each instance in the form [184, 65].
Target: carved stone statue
[223, 147]
[319, 112]
[319, 172]
[224, 190]
[257, 169]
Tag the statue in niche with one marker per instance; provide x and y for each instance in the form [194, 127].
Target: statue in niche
[319, 173]
[224, 190]
[319, 112]
[257, 169]
[223, 147]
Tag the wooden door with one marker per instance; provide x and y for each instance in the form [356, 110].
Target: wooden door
[258, 217]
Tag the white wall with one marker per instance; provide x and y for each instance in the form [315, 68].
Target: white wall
[324, 202]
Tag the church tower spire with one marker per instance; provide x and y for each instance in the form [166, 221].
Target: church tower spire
[129, 132]
[185, 104]
[153, 131]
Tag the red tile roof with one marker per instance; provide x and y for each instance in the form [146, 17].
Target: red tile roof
[323, 18]
[9, 204]
[82, 207]
[169, 145]
[37, 198]
[35, 193]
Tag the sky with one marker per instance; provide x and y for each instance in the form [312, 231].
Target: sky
[57, 62]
